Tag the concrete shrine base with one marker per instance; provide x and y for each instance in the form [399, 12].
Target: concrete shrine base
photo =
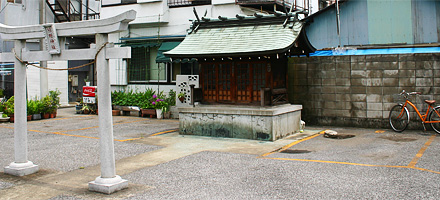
[21, 169]
[246, 122]
[108, 185]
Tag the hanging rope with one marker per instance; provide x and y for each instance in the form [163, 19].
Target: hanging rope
[77, 67]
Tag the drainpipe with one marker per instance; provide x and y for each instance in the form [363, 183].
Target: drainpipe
[338, 22]
[44, 85]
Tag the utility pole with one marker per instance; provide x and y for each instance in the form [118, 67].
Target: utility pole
[44, 82]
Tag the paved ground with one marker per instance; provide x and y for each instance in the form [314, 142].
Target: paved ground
[160, 164]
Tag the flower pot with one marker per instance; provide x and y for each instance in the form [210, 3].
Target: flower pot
[78, 109]
[148, 112]
[51, 115]
[36, 116]
[116, 112]
[167, 115]
[54, 114]
[29, 117]
[181, 99]
[159, 113]
[11, 118]
[46, 115]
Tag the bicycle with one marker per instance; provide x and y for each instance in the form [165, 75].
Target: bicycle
[399, 115]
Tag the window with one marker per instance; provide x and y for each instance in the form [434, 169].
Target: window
[184, 69]
[181, 3]
[142, 66]
[15, 1]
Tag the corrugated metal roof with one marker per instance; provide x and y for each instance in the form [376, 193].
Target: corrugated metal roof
[238, 40]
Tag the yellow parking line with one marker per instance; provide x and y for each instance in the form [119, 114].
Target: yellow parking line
[169, 131]
[294, 143]
[421, 151]
[336, 162]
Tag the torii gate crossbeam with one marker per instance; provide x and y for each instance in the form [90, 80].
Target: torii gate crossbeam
[108, 182]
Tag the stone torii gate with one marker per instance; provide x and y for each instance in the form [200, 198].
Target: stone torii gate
[55, 35]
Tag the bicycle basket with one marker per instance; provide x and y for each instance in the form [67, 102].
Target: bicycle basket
[397, 98]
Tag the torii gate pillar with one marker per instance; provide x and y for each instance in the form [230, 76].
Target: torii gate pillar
[108, 182]
[21, 166]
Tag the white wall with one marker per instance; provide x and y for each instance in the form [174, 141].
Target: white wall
[57, 80]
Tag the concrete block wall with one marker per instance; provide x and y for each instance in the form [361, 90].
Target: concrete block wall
[360, 90]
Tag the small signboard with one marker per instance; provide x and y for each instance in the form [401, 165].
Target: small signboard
[52, 43]
[89, 94]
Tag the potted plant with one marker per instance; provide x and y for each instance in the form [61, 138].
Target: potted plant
[147, 109]
[160, 105]
[55, 95]
[9, 108]
[78, 107]
[181, 96]
[87, 81]
[47, 107]
[86, 109]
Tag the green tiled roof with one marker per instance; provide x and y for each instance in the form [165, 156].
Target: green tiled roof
[252, 39]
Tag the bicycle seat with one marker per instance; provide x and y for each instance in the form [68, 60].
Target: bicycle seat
[430, 102]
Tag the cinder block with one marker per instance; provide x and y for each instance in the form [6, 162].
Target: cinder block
[425, 64]
[374, 90]
[421, 73]
[391, 90]
[359, 113]
[359, 97]
[328, 81]
[375, 73]
[390, 73]
[375, 65]
[407, 65]
[374, 98]
[359, 82]
[436, 64]
[374, 114]
[328, 74]
[328, 97]
[374, 82]
[374, 106]
[342, 82]
[406, 57]
[359, 74]
[342, 59]
[404, 82]
[358, 66]
[358, 90]
[357, 59]
[424, 82]
[345, 66]
[328, 66]
[343, 97]
[390, 82]
[359, 106]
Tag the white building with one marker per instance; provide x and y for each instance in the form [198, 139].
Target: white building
[31, 12]
[161, 25]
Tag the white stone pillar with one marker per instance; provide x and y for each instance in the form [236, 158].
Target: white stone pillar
[21, 166]
[108, 182]
[44, 80]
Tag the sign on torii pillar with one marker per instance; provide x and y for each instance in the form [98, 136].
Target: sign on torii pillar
[108, 182]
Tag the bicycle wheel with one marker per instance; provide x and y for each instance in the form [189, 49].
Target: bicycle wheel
[399, 118]
[434, 115]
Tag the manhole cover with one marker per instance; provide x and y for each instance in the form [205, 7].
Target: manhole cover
[295, 151]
